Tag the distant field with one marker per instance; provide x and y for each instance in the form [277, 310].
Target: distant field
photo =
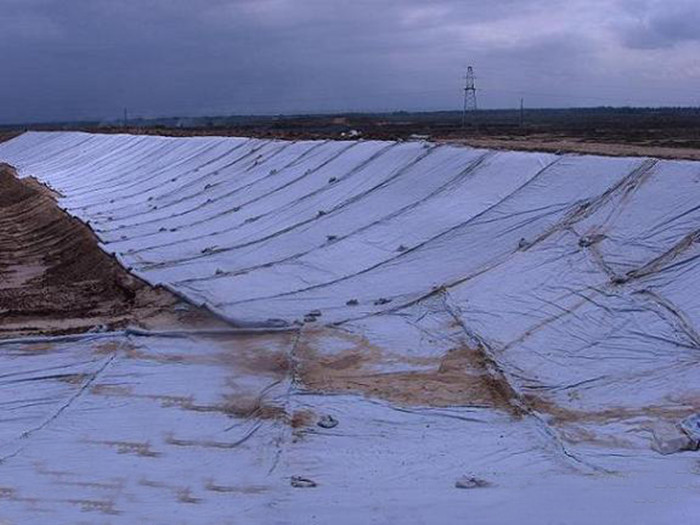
[665, 132]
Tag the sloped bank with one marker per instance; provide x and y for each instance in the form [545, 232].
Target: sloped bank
[55, 278]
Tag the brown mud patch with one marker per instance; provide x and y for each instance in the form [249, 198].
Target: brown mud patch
[460, 377]
[242, 406]
[254, 362]
[589, 426]
[54, 278]
[127, 447]
[248, 354]
[303, 419]
[559, 415]
[36, 348]
[110, 347]
[576, 434]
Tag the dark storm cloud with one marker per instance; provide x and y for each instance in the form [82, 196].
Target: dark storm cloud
[661, 24]
[68, 59]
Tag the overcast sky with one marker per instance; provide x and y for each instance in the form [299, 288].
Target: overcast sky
[77, 59]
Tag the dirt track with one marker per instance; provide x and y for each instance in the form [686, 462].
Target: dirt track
[54, 279]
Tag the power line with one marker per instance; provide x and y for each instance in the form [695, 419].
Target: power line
[469, 95]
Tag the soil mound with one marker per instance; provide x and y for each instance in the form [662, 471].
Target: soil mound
[54, 278]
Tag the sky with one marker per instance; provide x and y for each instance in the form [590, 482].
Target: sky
[89, 59]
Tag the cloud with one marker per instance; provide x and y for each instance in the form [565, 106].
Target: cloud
[661, 23]
[91, 58]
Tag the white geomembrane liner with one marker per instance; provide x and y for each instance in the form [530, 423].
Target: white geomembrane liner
[575, 277]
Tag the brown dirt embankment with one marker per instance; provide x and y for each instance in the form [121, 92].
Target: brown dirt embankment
[54, 278]
[8, 135]
[583, 147]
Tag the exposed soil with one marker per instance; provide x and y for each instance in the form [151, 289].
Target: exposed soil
[572, 145]
[672, 411]
[54, 278]
[8, 135]
[255, 362]
[460, 377]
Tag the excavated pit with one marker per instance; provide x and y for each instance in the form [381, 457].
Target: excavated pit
[56, 280]
[519, 323]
